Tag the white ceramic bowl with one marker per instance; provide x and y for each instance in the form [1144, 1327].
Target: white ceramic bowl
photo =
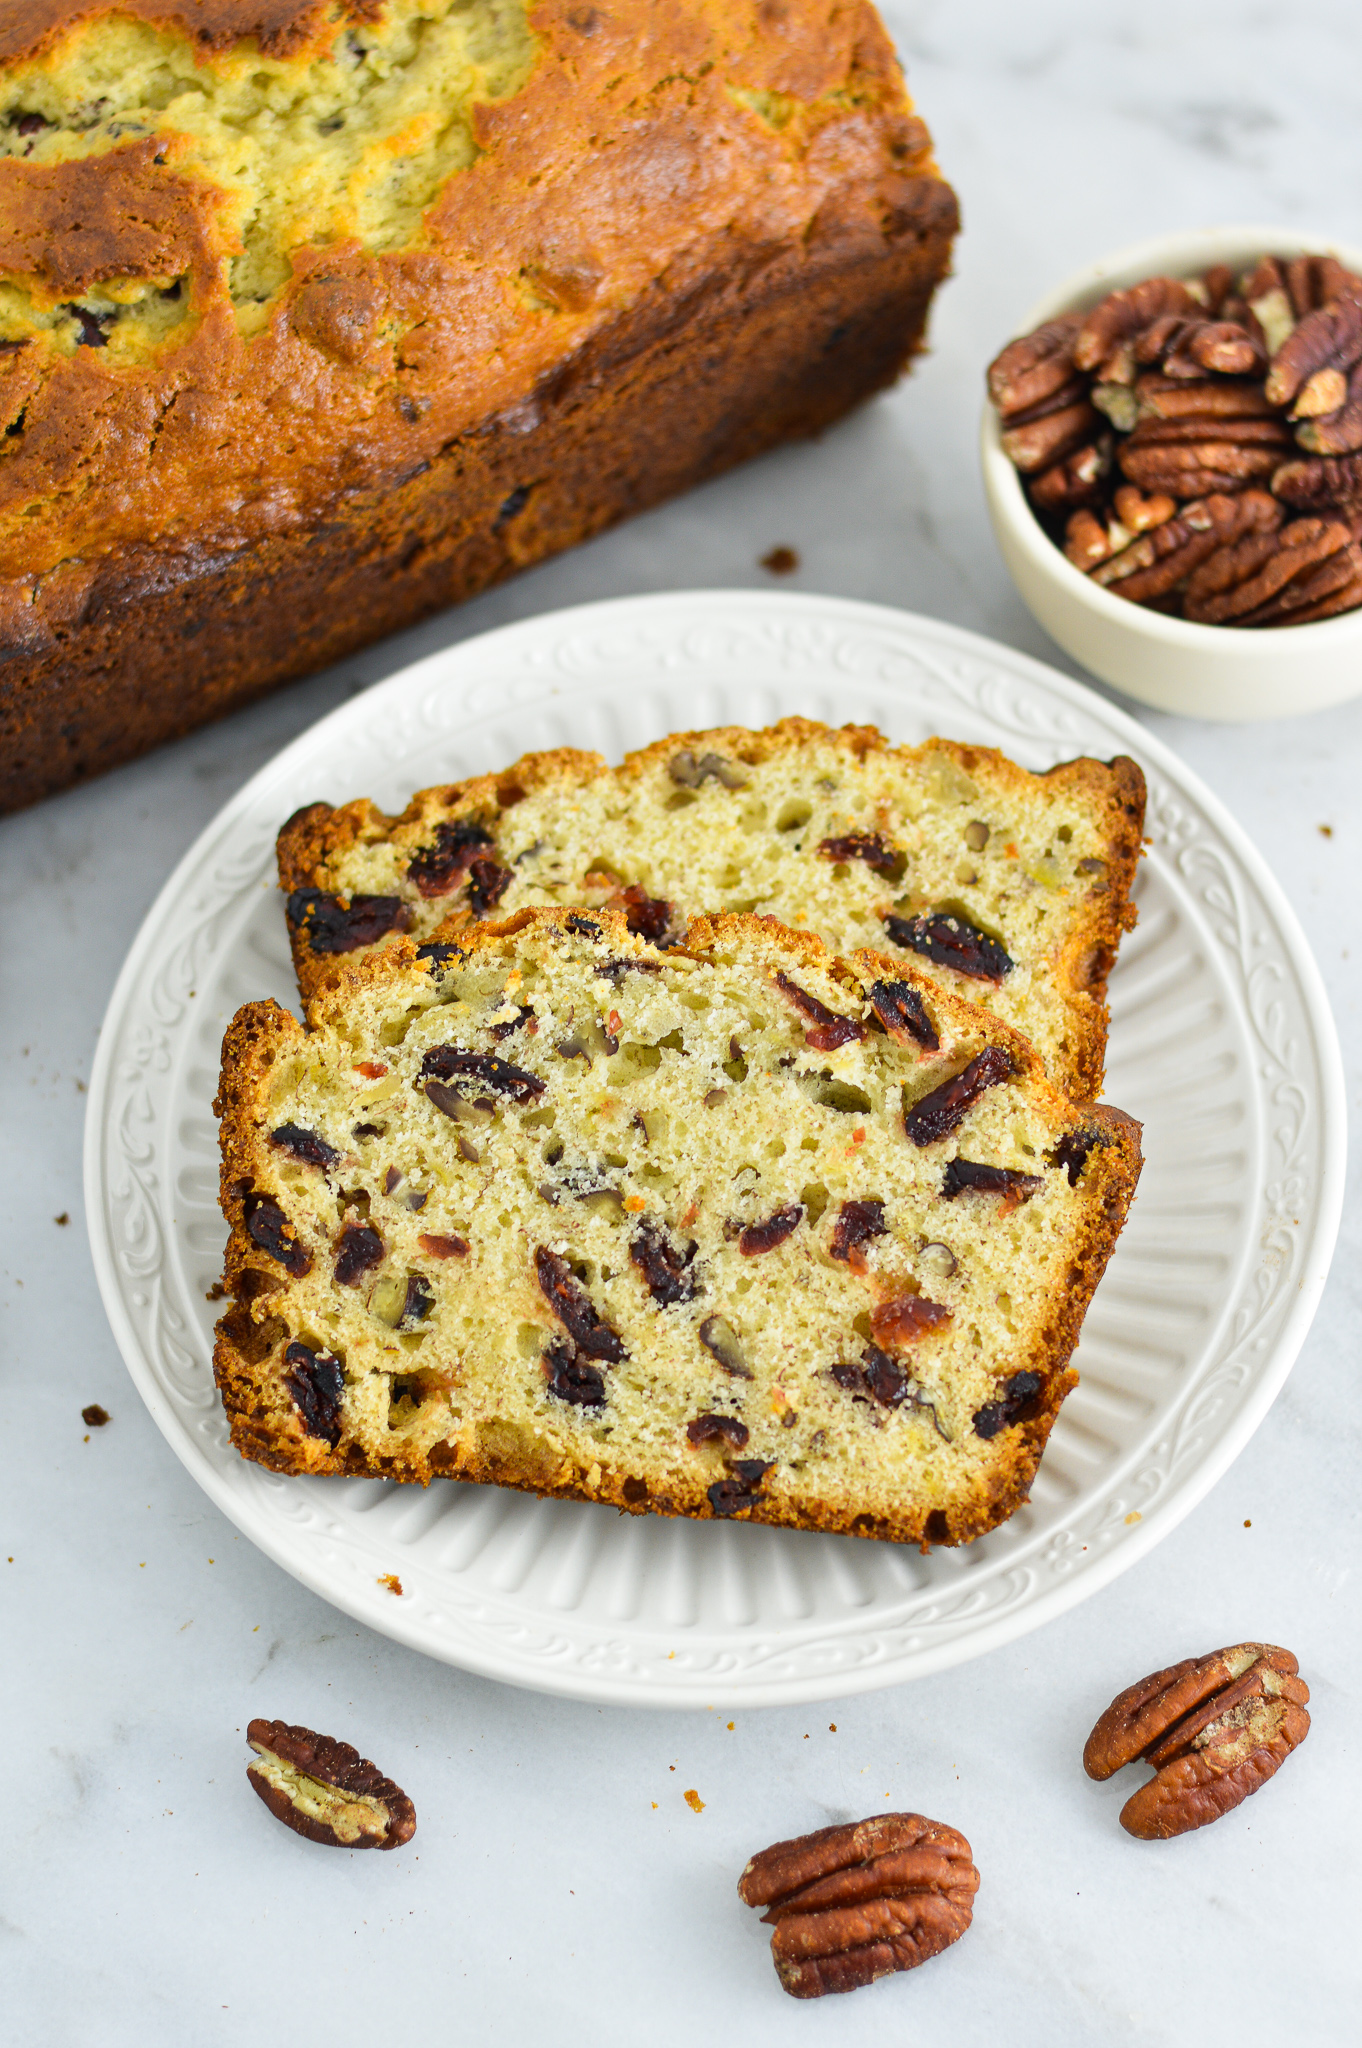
[1221, 672]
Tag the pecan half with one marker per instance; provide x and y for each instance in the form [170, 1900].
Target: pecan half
[1238, 584]
[1339, 430]
[1035, 367]
[331, 925]
[1215, 1729]
[939, 1113]
[1077, 480]
[326, 1790]
[1158, 561]
[1327, 338]
[852, 1903]
[1047, 440]
[1321, 485]
[1110, 329]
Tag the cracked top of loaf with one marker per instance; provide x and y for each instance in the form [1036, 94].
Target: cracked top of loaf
[256, 258]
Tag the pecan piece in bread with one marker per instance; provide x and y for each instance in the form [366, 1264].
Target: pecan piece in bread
[852, 1903]
[326, 1790]
[1215, 1728]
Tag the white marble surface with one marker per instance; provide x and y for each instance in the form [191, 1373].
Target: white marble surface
[559, 1887]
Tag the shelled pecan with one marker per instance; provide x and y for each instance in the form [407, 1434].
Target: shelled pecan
[1215, 1729]
[326, 1790]
[1137, 425]
[852, 1903]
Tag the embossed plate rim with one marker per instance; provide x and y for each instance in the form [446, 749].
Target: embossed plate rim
[600, 1672]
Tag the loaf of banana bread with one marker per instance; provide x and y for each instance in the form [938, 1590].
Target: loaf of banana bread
[1013, 889]
[318, 314]
[728, 1228]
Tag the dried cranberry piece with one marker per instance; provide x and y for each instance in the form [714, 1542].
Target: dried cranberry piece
[449, 1064]
[742, 1488]
[437, 870]
[874, 1376]
[951, 942]
[707, 1429]
[487, 884]
[1016, 1404]
[359, 1248]
[902, 1321]
[963, 1176]
[1073, 1152]
[451, 1246]
[439, 953]
[523, 1016]
[570, 1379]
[663, 1264]
[575, 1309]
[648, 917]
[91, 326]
[305, 1145]
[856, 1223]
[316, 1381]
[764, 1237]
[903, 1014]
[331, 926]
[871, 847]
[269, 1227]
[29, 124]
[829, 1030]
[938, 1114]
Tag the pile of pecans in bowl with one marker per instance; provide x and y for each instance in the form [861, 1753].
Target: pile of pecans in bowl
[1196, 445]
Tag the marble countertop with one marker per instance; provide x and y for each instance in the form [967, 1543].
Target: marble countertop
[559, 1888]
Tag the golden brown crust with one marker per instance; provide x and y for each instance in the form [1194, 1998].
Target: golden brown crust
[313, 840]
[266, 1424]
[535, 286]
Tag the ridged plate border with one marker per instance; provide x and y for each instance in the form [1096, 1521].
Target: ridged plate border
[1220, 1019]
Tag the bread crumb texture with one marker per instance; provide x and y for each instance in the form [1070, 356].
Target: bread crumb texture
[546, 1205]
[256, 257]
[1012, 889]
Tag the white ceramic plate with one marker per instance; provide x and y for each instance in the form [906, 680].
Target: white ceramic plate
[1221, 1042]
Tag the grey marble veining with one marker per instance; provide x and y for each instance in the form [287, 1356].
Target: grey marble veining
[146, 1898]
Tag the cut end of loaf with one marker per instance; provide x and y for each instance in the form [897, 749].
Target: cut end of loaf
[728, 1229]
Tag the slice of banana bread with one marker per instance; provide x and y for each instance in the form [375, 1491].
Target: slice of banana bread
[1010, 888]
[733, 1227]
